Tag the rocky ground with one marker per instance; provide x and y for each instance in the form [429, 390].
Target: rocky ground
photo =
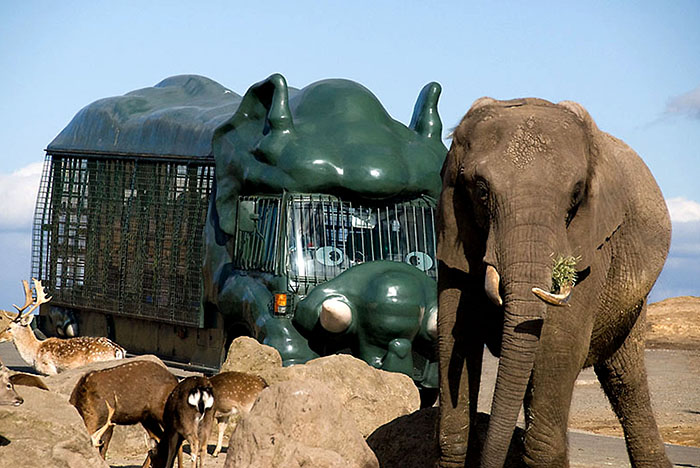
[366, 404]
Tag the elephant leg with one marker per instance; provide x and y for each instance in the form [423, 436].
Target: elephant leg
[559, 360]
[624, 379]
[459, 375]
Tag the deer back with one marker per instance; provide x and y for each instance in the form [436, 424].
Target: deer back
[75, 352]
[188, 416]
[136, 390]
[236, 390]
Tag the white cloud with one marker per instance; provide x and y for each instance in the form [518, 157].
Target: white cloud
[18, 191]
[683, 210]
[685, 104]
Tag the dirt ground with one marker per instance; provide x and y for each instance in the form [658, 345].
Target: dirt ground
[673, 365]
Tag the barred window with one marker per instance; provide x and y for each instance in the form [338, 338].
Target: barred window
[326, 236]
[257, 233]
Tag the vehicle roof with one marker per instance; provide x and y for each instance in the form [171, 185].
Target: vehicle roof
[176, 117]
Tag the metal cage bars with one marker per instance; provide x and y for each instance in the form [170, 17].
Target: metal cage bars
[122, 235]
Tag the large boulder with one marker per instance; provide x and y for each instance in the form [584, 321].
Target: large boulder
[298, 423]
[45, 431]
[371, 396]
[246, 354]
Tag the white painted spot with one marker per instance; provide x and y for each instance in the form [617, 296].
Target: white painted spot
[336, 315]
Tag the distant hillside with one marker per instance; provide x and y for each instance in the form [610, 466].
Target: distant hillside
[674, 323]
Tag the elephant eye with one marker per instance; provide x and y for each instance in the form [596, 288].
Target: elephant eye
[482, 191]
[576, 198]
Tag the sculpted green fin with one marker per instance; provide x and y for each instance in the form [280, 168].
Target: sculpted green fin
[426, 120]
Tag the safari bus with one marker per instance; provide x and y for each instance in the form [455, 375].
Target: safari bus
[178, 217]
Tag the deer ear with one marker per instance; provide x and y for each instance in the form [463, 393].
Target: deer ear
[27, 320]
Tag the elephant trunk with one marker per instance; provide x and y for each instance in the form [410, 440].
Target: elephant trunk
[524, 261]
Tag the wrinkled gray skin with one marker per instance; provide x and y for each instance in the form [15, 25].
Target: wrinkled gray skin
[526, 180]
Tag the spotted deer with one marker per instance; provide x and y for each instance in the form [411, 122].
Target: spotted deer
[188, 416]
[234, 395]
[135, 392]
[8, 395]
[53, 355]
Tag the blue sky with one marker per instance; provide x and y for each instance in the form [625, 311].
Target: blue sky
[633, 65]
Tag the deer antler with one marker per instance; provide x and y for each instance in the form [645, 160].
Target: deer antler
[29, 300]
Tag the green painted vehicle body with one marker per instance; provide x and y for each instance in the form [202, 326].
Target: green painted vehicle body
[321, 195]
[317, 195]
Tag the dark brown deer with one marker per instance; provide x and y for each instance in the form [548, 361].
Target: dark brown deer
[136, 391]
[188, 416]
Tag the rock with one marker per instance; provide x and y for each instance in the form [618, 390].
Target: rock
[248, 355]
[371, 396]
[45, 431]
[298, 423]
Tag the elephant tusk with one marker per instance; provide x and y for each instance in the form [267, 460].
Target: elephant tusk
[560, 299]
[491, 285]
[335, 316]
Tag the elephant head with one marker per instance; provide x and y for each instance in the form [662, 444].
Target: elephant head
[524, 180]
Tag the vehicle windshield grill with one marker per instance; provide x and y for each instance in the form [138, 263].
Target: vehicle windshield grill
[326, 236]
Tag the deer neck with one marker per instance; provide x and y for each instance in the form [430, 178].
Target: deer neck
[26, 342]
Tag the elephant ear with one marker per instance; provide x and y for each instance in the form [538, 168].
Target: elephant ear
[604, 205]
[460, 240]
[455, 233]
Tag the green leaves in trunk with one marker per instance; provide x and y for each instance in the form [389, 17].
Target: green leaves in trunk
[564, 271]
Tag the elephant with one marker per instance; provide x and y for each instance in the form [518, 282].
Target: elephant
[526, 181]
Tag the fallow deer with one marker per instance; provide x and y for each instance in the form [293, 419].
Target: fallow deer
[53, 355]
[188, 416]
[234, 394]
[8, 395]
[135, 391]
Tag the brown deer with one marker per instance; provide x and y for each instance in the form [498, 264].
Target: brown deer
[188, 416]
[135, 392]
[53, 355]
[234, 394]
[8, 395]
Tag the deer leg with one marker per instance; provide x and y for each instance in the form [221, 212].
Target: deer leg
[180, 464]
[222, 422]
[174, 448]
[106, 438]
